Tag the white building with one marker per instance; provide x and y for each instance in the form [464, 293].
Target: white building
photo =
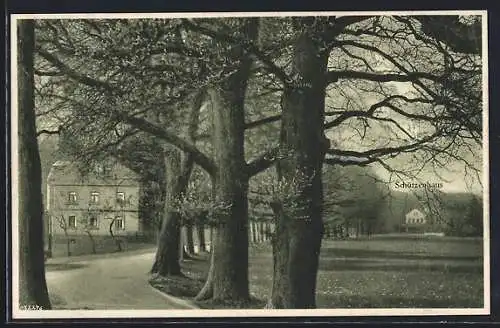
[416, 222]
[415, 217]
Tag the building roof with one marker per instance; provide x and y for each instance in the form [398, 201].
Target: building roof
[67, 173]
[414, 212]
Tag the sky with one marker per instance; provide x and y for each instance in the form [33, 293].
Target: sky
[454, 179]
[454, 176]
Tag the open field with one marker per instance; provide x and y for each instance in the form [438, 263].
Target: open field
[382, 272]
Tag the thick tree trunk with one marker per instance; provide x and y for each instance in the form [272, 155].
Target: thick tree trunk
[168, 253]
[229, 278]
[211, 239]
[230, 253]
[152, 203]
[190, 239]
[176, 173]
[200, 229]
[299, 225]
[185, 255]
[32, 284]
[208, 289]
[49, 234]
[268, 231]
[182, 252]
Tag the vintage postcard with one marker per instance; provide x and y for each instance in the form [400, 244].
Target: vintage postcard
[250, 164]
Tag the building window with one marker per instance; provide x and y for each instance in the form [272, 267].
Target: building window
[71, 222]
[120, 197]
[72, 197]
[119, 223]
[93, 223]
[94, 197]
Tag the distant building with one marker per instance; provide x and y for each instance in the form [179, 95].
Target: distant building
[415, 221]
[105, 198]
[415, 217]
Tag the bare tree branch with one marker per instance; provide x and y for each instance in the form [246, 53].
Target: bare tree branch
[334, 76]
[48, 132]
[171, 137]
[263, 162]
[345, 115]
[349, 157]
[74, 74]
[260, 122]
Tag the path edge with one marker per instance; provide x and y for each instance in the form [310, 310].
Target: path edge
[177, 301]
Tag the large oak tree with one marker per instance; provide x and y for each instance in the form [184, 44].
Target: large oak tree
[32, 284]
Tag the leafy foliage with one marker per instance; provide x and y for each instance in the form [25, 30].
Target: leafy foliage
[353, 196]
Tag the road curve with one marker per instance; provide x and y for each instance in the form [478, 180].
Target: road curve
[107, 283]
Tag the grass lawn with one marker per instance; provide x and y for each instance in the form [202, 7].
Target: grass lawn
[380, 272]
